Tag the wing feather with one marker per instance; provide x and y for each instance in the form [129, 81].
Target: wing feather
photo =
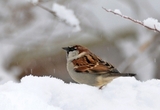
[92, 64]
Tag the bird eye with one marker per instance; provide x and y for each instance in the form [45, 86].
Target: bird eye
[75, 48]
[72, 48]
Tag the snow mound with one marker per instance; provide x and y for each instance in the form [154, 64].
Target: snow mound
[46, 93]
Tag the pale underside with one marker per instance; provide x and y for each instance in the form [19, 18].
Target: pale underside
[90, 79]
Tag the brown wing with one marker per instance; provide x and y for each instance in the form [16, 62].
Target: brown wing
[92, 64]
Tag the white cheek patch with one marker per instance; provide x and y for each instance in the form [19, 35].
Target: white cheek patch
[74, 55]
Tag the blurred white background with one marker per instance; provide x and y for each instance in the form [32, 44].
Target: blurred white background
[31, 38]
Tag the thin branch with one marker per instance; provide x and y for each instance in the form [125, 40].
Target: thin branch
[131, 19]
[129, 61]
[51, 11]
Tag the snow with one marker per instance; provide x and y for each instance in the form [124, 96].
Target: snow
[67, 15]
[152, 23]
[117, 11]
[39, 93]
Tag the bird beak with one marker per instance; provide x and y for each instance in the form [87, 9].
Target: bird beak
[65, 48]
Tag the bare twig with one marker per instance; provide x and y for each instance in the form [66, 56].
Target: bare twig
[128, 62]
[131, 19]
[51, 11]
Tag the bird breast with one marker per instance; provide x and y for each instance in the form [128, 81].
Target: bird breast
[83, 78]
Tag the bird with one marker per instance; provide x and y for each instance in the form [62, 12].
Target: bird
[84, 67]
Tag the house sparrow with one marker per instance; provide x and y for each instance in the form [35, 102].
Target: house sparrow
[86, 68]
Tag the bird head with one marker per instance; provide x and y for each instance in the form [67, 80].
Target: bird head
[76, 51]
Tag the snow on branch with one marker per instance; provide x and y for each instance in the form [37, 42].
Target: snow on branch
[67, 15]
[61, 12]
[149, 23]
[52, 12]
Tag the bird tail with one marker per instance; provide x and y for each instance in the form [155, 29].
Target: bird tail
[119, 74]
[128, 74]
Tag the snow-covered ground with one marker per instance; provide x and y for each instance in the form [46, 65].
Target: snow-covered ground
[47, 93]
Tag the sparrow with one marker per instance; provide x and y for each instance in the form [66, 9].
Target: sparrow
[84, 67]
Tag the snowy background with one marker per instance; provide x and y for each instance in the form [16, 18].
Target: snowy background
[32, 34]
